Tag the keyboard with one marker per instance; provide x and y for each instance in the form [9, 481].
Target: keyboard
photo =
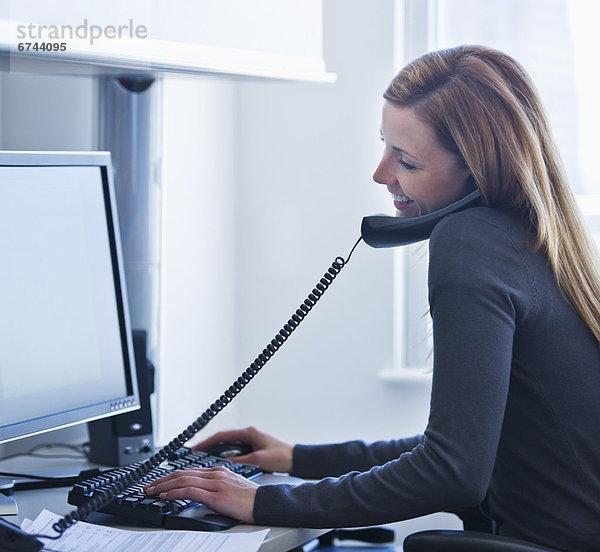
[133, 503]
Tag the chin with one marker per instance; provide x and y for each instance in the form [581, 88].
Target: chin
[407, 213]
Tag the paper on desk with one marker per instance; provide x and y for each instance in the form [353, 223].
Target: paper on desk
[86, 537]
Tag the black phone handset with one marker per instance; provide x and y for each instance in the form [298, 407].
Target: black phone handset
[388, 231]
[377, 231]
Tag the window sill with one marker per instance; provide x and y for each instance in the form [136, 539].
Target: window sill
[406, 374]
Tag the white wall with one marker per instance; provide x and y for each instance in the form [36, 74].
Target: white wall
[306, 157]
[265, 183]
[198, 300]
[286, 169]
[307, 154]
[43, 112]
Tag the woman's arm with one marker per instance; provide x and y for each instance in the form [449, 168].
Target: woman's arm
[317, 461]
[474, 323]
[471, 298]
[309, 461]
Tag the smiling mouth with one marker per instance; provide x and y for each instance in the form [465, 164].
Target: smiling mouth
[402, 199]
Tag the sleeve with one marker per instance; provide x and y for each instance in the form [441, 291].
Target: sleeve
[316, 461]
[473, 327]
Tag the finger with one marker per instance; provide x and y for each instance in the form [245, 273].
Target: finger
[197, 494]
[250, 458]
[211, 441]
[214, 472]
[174, 475]
[194, 470]
[187, 486]
[189, 482]
[240, 435]
[185, 482]
[159, 483]
[190, 476]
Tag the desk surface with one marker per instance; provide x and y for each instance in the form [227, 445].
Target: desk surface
[31, 502]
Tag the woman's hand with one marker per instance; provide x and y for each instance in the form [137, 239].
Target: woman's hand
[218, 488]
[268, 453]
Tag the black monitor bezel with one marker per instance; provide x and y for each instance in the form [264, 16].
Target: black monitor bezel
[119, 404]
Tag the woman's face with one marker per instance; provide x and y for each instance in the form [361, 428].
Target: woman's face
[420, 174]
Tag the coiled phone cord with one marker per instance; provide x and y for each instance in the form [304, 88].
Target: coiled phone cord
[103, 496]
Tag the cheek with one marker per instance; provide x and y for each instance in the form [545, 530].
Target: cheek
[460, 186]
[432, 195]
[413, 184]
[452, 188]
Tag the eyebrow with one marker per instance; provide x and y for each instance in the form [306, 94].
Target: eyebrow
[399, 150]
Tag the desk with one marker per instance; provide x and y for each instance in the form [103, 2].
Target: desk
[31, 502]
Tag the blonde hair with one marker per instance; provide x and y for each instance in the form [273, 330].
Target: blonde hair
[485, 108]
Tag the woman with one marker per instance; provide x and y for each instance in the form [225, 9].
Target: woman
[514, 427]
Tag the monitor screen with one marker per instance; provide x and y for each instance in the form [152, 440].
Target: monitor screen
[66, 353]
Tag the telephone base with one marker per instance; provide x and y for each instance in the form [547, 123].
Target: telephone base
[14, 539]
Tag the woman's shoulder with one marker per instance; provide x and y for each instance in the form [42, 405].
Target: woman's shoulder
[480, 239]
[478, 222]
[482, 227]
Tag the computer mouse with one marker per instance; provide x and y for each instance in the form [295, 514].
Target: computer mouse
[228, 450]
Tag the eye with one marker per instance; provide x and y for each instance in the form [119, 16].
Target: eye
[406, 165]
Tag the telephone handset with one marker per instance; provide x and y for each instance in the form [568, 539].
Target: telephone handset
[387, 231]
[377, 231]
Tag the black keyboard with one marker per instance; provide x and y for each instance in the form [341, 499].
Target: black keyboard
[135, 504]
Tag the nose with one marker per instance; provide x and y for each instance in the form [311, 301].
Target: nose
[381, 174]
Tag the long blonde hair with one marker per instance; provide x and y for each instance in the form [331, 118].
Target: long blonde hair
[485, 108]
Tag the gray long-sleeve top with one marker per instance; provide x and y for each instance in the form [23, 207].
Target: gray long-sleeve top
[515, 406]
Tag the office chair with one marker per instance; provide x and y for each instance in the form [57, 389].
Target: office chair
[467, 541]
[477, 536]
[330, 542]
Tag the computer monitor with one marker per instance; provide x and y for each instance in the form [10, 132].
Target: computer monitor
[66, 351]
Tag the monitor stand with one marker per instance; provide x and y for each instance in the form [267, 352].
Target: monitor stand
[8, 506]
